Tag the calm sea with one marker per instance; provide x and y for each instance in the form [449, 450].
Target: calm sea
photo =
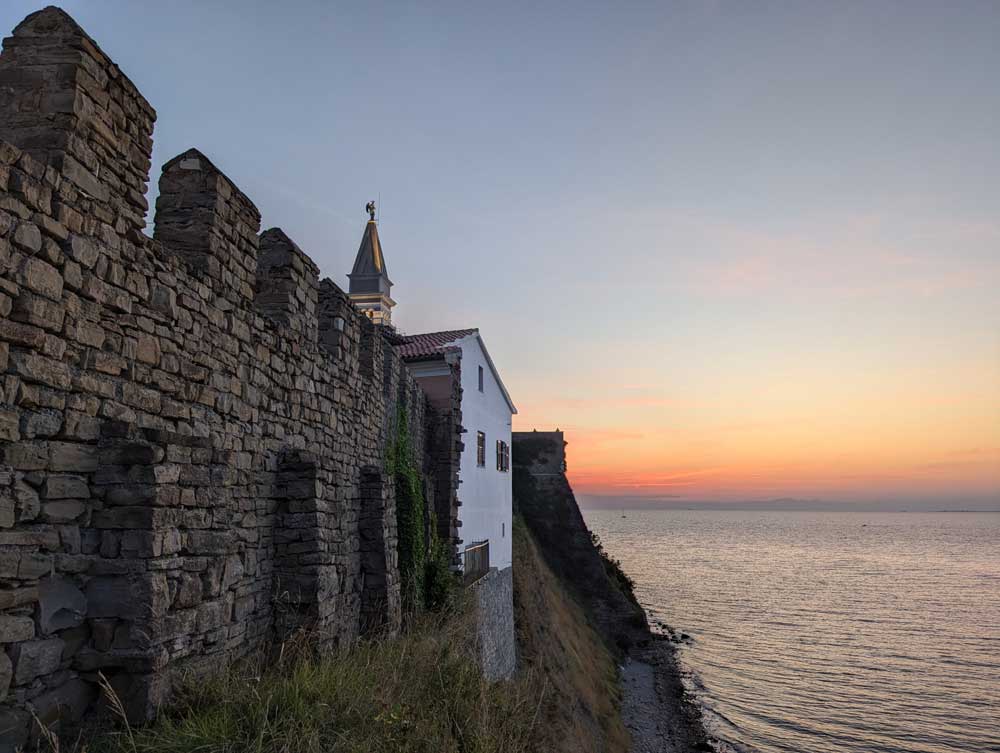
[819, 632]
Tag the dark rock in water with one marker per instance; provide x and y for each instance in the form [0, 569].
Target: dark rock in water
[686, 637]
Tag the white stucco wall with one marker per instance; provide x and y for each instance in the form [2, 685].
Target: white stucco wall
[484, 491]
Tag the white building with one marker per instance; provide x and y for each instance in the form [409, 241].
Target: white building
[460, 380]
[484, 469]
[484, 484]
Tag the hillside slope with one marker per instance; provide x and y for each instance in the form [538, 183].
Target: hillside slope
[581, 697]
[649, 697]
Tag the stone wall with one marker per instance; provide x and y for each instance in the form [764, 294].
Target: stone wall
[192, 427]
[494, 599]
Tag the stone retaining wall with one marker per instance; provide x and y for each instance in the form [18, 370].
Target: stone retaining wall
[494, 598]
[192, 427]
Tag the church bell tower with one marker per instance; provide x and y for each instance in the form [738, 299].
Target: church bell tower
[369, 281]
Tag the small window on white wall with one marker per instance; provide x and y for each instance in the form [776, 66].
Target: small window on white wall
[480, 378]
[503, 456]
[480, 449]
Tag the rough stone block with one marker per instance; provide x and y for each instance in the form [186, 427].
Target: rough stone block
[62, 510]
[124, 517]
[148, 349]
[27, 502]
[22, 334]
[60, 486]
[27, 237]
[33, 566]
[18, 597]
[68, 702]
[16, 629]
[116, 596]
[69, 456]
[85, 180]
[102, 633]
[80, 426]
[61, 605]
[10, 422]
[35, 368]
[6, 676]
[83, 251]
[42, 278]
[210, 616]
[50, 226]
[207, 542]
[38, 311]
[26, 456]
[163, 300]
[188, 591]
[36, 659]
[41, 424]
[140, 544]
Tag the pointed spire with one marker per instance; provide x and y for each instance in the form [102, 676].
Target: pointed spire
[369, 279]
[369, 263]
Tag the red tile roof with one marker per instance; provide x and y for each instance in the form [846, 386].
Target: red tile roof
[431, 343]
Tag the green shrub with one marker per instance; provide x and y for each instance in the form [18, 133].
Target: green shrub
[613, 568]
[440, 583]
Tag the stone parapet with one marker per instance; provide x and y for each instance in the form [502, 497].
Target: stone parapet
[69, 106]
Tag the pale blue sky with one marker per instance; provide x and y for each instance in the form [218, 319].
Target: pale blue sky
[688, 200]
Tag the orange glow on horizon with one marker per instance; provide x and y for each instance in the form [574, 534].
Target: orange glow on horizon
[856, 438]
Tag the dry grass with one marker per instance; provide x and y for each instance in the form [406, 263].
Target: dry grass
[421, 692]
[581, 709]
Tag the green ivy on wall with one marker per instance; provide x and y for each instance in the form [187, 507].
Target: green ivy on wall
[424, 560]
[410, 513]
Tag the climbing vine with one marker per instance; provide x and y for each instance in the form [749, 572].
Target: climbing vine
[410, 514]
[424, 559]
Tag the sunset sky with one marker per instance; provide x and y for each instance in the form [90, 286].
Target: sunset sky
[737, 251]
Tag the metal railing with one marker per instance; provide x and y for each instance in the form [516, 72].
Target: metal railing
[476, 560]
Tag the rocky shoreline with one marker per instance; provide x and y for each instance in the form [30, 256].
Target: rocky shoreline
[656, 709]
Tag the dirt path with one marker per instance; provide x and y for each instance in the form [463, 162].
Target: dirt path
[654, 708]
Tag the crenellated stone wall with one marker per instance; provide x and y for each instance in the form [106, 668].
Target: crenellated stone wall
[192, 427]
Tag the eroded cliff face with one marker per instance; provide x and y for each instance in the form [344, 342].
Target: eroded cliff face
[545, 500]
[649, 699]
[579, 708]
[192, 427]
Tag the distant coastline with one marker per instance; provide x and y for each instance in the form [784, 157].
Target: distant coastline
[607, 502]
